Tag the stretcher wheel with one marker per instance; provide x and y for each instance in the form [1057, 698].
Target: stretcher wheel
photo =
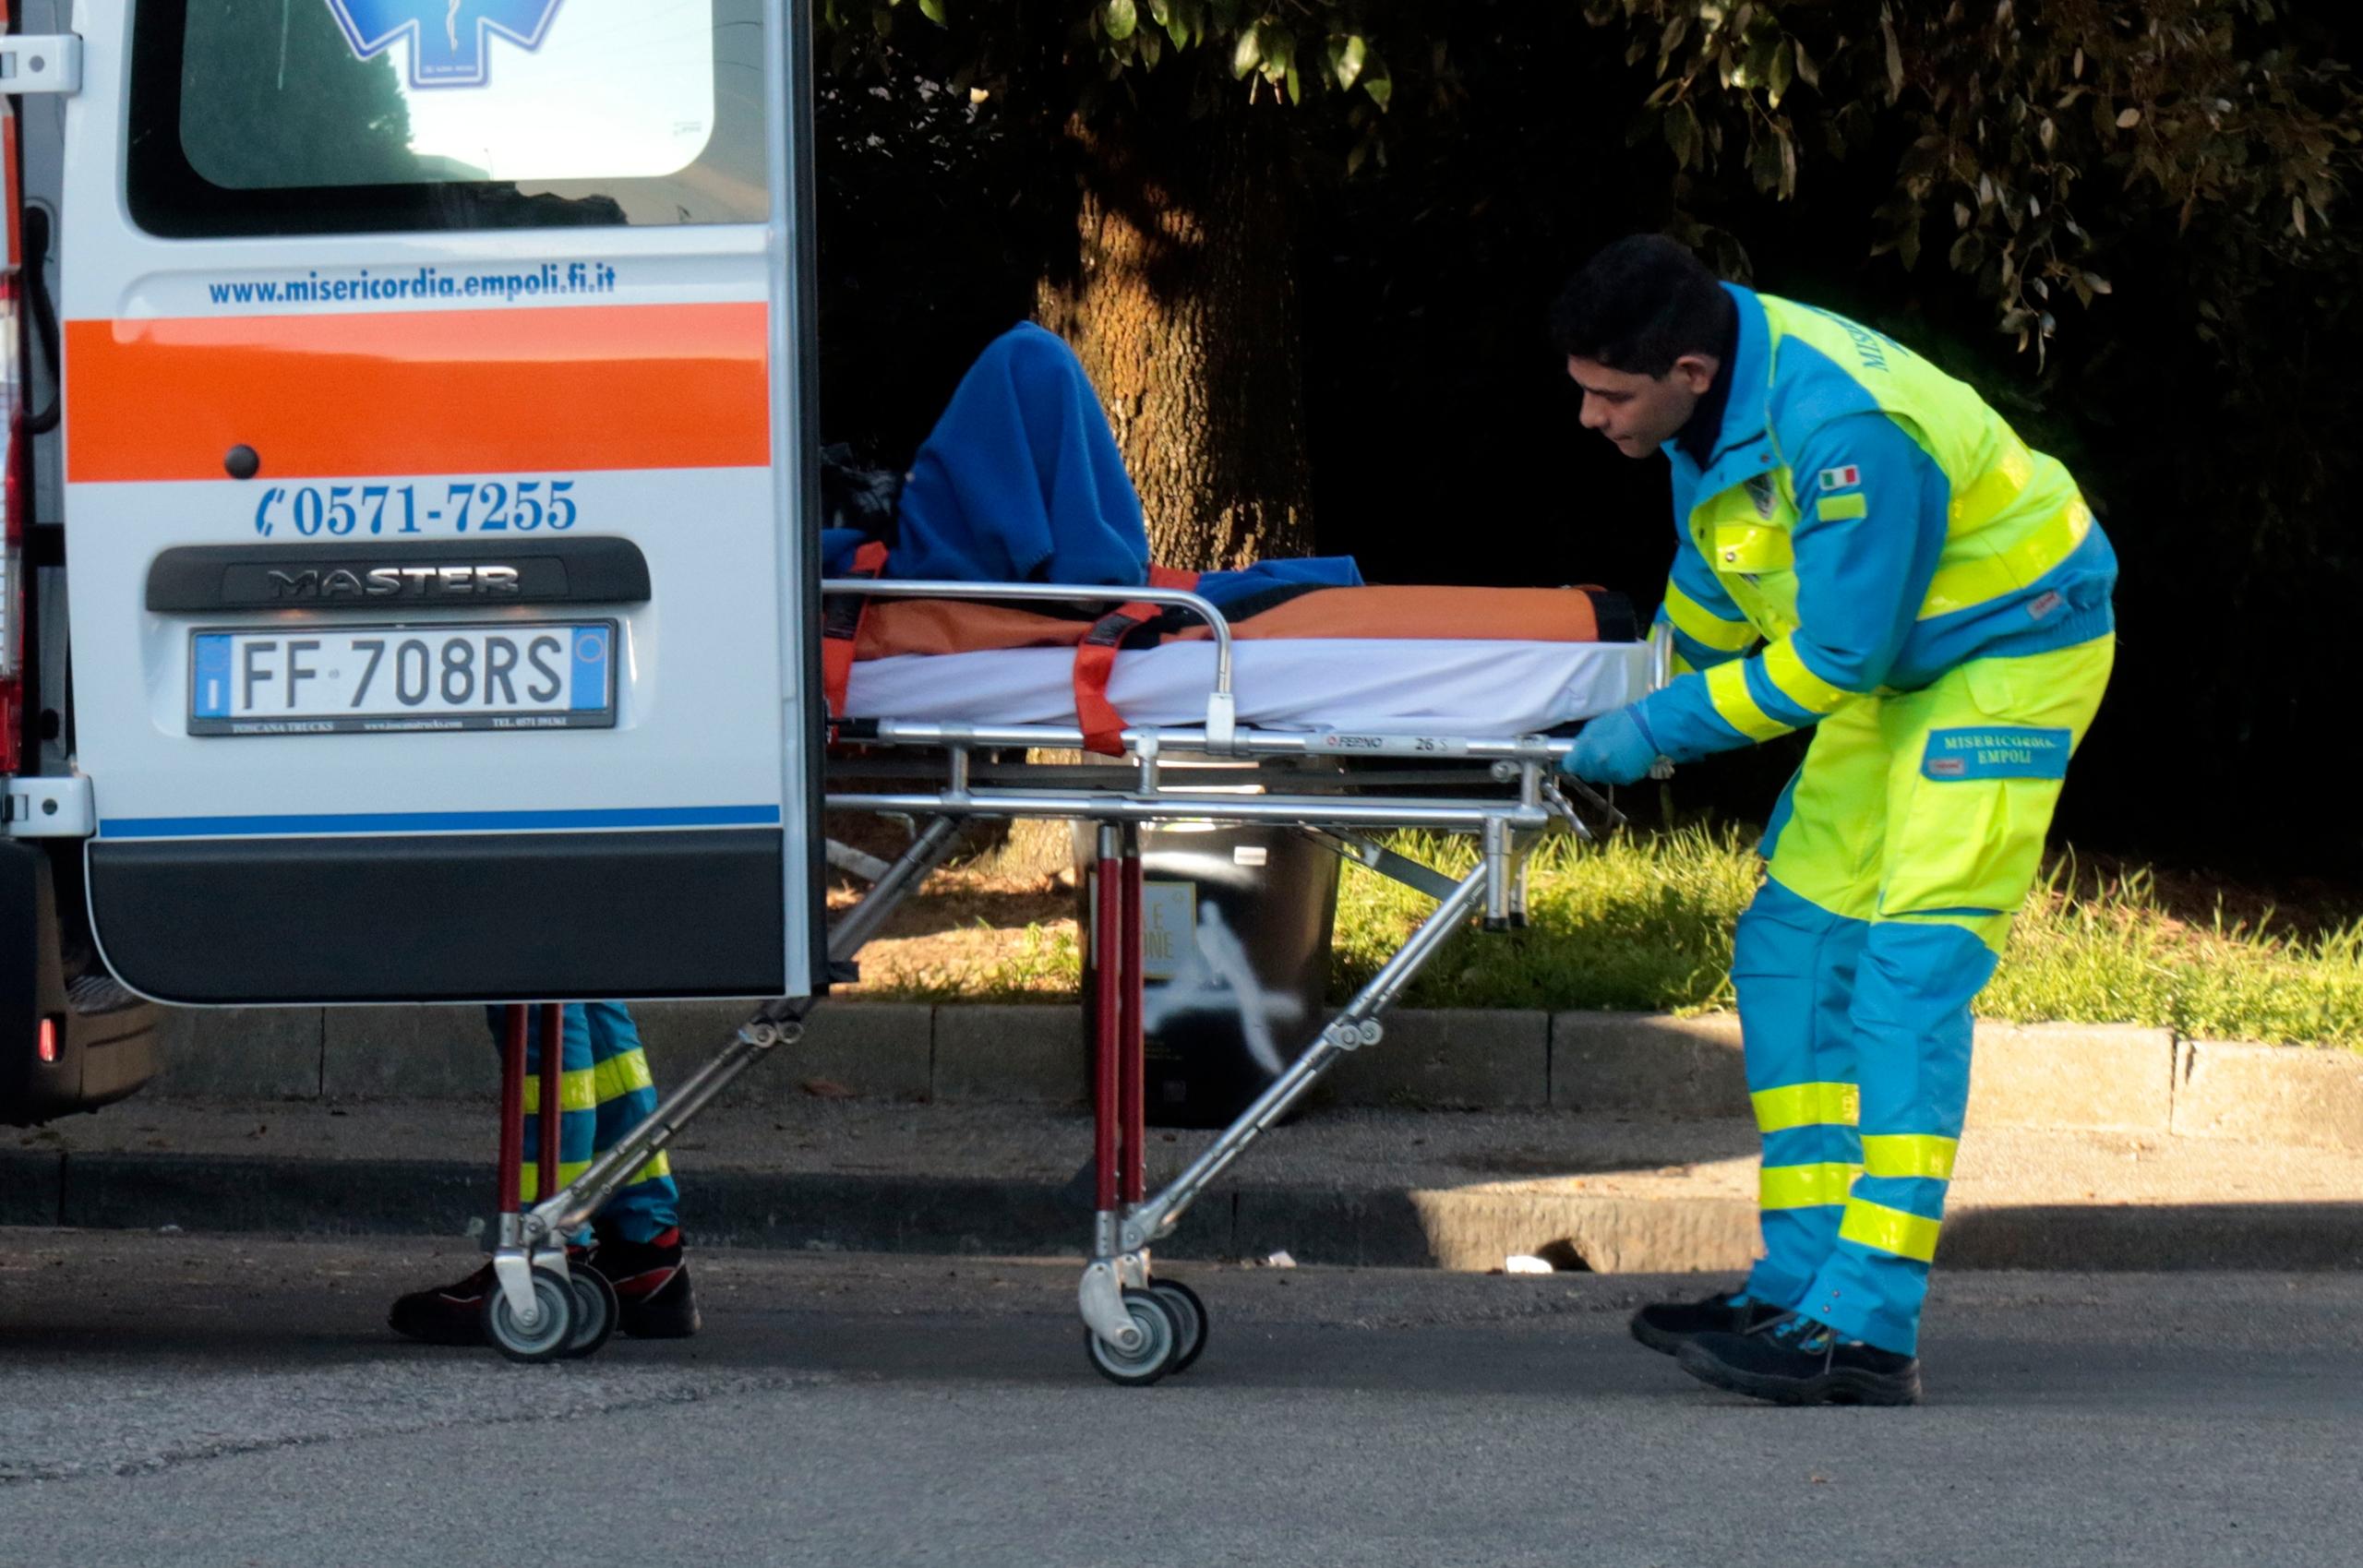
[551, 1332]
[1160, 1339]
[595, 1310]
[1189, 1319]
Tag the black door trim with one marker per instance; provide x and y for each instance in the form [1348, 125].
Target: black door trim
[455, 573]
[446, 917]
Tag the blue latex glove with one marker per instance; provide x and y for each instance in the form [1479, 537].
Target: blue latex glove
[1616, 748]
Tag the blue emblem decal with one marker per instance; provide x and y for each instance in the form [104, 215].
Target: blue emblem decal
[1998, 752]
[213, 677]
[449, 40]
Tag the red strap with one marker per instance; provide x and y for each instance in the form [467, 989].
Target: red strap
[1095, 661]
[840, 621]
[836, 673]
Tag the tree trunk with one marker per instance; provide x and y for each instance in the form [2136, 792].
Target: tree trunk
[1182, 308]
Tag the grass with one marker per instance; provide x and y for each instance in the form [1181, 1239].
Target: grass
[2122, 957]
[1639, 922]
[1644, 922]
[1035, 962]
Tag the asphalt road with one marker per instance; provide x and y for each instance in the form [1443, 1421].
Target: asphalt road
[235, 1401]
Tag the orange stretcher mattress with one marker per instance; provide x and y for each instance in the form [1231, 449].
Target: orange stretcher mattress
[894, 627]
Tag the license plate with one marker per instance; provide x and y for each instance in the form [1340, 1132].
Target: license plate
[339, 680]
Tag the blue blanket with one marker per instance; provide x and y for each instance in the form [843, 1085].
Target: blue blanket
[1021, 481]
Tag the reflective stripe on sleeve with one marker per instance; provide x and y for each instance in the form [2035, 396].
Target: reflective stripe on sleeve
[1727, 689]
[1795, 680]
[1701, 625]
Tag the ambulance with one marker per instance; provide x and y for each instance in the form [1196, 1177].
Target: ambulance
[411, 567]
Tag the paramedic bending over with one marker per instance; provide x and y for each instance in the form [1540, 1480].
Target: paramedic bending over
[635, 1241]
[1863, 547]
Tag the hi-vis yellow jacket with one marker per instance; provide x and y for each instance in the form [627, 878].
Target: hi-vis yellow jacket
[1872, 523]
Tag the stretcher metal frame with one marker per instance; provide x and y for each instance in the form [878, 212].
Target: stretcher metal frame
[1506, 791]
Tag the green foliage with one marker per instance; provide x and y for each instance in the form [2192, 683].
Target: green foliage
[2030, 139]
[1334, 53]
[2039, 136]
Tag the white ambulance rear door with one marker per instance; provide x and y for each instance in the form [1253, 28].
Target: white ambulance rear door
[440, 560]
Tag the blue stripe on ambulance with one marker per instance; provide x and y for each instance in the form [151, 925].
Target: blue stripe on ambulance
[442, 821]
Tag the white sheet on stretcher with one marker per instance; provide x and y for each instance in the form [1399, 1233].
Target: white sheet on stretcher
[1376, 685]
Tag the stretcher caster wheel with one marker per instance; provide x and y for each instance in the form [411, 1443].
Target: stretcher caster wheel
[1189, 1320]
[595, 1310]
[1149, 1360]
[551, 1331]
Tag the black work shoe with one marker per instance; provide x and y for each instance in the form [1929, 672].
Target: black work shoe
[1800, 1361]
[652, 1291]
[451, 1315]
[1669, 1325]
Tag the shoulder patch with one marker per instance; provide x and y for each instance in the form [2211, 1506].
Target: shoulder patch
[1842, 478]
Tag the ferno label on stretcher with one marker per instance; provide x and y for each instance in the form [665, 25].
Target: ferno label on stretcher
[1346, 744]
[433, 466]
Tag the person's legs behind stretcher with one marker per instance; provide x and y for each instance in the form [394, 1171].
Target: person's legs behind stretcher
[1897, 860]
[635, 1241]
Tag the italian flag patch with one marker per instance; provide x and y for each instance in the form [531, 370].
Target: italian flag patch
[1842, 478]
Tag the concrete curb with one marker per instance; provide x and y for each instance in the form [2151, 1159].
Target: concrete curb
[1462, 1059]
[2117, 1078]
[1461, 1228]
[2246, 1092]
[1632, 1062]
[2088, 1077]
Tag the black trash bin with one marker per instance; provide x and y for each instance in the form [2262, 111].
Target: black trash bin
[1235, 926]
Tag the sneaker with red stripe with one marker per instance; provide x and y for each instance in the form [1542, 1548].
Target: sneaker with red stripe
[652, 1283]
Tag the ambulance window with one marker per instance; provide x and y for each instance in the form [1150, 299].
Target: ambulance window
[308, 116]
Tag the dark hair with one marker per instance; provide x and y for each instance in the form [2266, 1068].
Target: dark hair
[1640, 305]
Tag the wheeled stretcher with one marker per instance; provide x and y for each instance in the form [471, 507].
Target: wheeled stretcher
[1343, 738]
